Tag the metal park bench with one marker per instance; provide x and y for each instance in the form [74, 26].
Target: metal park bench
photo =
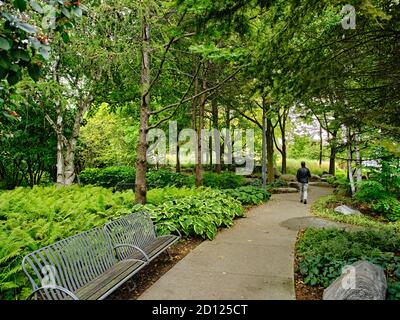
[135, 236]
[93, 264]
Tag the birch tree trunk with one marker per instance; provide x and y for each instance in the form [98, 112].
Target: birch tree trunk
[60, 146]
[358, 157]
[141, 165]
[347, 135]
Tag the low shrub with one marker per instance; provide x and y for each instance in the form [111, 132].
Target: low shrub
[111, 177]
[248, 195]
[369, 191]
[279, 184]
[323, 253]
[161, 195]
[388, 206]
[225, 180]
[197, 215]
[107, 177]
[165, 178]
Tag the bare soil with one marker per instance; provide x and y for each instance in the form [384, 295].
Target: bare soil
[145, 278]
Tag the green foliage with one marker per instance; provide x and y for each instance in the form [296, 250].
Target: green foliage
[369, 191]
[164, 178]
[304, 145]
[112, 176]
[279, 183]
[225, 180]
[161, 195]
[389, 176]
[33, 218]
[108, 139]
[323, 253]
[324, 208]
[248, 195]
[294, 164]
[199, 214]
[107, 177]
[389, 207]
[23, 46]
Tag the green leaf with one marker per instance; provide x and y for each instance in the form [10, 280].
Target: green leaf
[65, 37]
[34, 72]
[20, 4]
[77, 12]
[26, 27]
[37, 7]
[4, 44]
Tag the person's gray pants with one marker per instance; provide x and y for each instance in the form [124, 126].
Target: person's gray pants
[303, 191]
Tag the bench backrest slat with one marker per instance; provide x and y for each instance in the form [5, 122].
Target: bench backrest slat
[135, 229]
[70, 263]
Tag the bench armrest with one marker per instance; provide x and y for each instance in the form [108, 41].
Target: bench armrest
[169, 225]
[56, 288]
[133, 247]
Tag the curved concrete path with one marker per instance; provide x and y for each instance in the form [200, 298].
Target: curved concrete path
[252, 260]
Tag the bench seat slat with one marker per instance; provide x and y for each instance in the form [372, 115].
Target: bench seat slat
[109, 280]
[156, 247]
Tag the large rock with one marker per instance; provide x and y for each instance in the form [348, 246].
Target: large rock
[277, 174]
[284, 190]
[315, 178]
[347, 211]
[294, 185]
[288, 177]
[360, 281]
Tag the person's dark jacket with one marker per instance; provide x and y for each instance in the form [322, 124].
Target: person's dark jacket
[303, 174]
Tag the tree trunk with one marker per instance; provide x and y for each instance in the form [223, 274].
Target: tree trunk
[358, 157]
[199, 164]
[347, 134]
[270, 151]
[60, 148]
[178, 159]
[264, 150]
[141, 165]
[332, 157]
[321, 144]
[217, 140]
[270, 144]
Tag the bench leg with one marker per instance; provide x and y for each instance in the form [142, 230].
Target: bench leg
[131, 285]
[168, 255]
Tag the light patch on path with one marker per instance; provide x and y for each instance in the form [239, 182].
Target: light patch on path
[252, 260]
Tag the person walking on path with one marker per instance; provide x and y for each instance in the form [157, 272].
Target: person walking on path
[303, 175]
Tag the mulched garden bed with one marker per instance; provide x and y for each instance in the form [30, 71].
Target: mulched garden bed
[157, 268]
[304, 291]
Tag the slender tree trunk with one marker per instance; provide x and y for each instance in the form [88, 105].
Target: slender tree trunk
[217, 140]
[270, 145]
[199, 164]
[358, 157]
[321, 144]
[60, 148]
[264, 150]
[347, 134]
[178, 159]
[332, 157]
[270, 151]
[141, 165]
[228, 140]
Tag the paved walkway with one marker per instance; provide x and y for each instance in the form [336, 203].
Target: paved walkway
[251, 260]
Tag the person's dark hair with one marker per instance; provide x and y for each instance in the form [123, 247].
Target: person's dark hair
[303, 164]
